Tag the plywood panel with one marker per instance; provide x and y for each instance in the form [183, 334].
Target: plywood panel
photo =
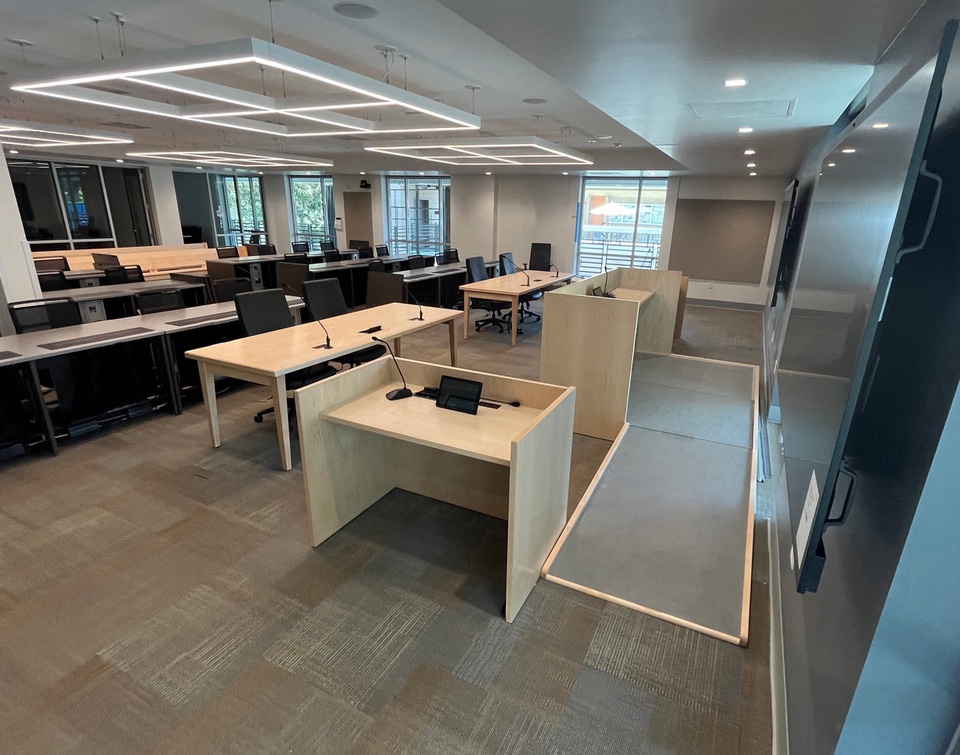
[721, 240]
[658, 317]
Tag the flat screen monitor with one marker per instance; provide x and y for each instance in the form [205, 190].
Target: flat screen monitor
[458, 394]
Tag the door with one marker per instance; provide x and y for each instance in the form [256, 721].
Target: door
[358, 216]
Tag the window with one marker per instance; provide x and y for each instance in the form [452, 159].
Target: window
[620, 224]
[418, 220]
[311, 199]
[238, 209]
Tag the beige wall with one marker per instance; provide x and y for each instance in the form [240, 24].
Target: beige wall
[163, 202]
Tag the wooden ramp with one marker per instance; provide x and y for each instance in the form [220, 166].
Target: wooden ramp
[667, 527]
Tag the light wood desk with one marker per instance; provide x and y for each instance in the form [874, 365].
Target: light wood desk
[508, 288]
[268, 358]
[512, 463]
[642, 297]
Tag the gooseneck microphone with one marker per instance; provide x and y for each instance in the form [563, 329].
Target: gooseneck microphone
[606, 273]
[396, 393]
[517, 269]
[417, 302]
[293, 292]
[555, 268]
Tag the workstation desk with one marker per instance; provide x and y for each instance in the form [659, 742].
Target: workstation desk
[268, 358]
[443, 277]
[92, 299]
[509, 288]
[512, 463]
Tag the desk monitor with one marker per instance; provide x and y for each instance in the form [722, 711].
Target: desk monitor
[596, 291]
[458, 394]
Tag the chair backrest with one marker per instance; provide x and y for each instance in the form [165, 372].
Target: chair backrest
[300, 247]
[332, 255]
[299, 259]
[326, 246]
[376, 266]
[123, 274]
[540, 256]
[263, 311]
[159, 301]
[383, 288]
[417, 262]
[102, 261]
[291, 277]
[358, 243]
[259, 250]
[52, 280]
[448, 257]
[227, 289]
[254, 238]
[507, 265]
[44, 314]
[476, 269]
[365, 253]
[226, 252]
[383, 250]
[323, 298]
[45, 264]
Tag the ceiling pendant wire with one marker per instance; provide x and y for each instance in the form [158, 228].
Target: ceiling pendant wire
[121, 32]
[96, 20]
[404, 59]
[537, 116]
[273, 40]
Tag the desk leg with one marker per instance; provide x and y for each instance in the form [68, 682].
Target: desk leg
[42, 410]
[283, 420]
[210, 402]
[453, 343]
[396, 347]
[513, 320]
[466, 314]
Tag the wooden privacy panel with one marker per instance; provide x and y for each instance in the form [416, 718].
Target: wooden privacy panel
[721, 239]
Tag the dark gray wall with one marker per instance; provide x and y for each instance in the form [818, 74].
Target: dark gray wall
[193, 199]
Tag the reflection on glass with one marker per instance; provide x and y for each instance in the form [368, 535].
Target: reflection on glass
[620, 224]
[83, 201]
[37, 201]
[417, 211]
[128, 206]
[238, 209]
[312, 199]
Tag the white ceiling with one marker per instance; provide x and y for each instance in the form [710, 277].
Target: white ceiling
[620, 68]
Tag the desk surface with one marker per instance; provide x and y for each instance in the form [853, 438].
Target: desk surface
[486, 435]
[515, 284]
[319, 267]
[118, 289]
[437, 271]
[284, 351]
[633, 294]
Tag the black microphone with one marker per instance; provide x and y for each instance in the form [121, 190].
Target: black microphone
[555, 268]
[415, 301]
[606, 273]
[396, 393]
[293, 292]
[519, 270]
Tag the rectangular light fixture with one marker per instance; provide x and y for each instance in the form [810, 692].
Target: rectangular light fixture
[44, 136]
[491, 150]
[226, 82]
[228, 159]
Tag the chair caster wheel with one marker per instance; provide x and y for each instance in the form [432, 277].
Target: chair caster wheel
[258, 420]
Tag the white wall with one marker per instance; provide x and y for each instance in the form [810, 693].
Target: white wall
[18, 279]
[276, 211]
[473, 220]
[163, 200]
[344, 182]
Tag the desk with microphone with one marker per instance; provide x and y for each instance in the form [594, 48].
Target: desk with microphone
[293, 292]
[397, 393]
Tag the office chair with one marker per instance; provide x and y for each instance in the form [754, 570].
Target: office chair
[44, 314]
[123, 274]
[102, 261]
[540, 256]
[417, 262]
[159, 301]
[299, 259]
[51, 264]
[376, 266]
[226, 252]
[383, 288]
[300, 247]
[365, 253]
[327, 246]
[448, 257]
[263, 312]
[291, 276]
[508, 266]
[357, 244]
[477, 271]
[226, 289]
[332, 255]
[383, 250]
[254, 238]
[52, 280]
[324, 299]
[265, 249]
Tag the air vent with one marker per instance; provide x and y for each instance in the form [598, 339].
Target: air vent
[744, 111]
[123, 125]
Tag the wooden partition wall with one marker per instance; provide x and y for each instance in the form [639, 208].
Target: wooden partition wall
[155, 261]
[589, 341]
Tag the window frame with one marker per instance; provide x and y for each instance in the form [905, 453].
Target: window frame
[396, 217]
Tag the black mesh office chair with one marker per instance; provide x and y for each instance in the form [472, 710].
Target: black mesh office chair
[508, 266]
[226, 289]
[44, 314]
[254, 238]
[376, 266]
[358, 243]
[263, 312]
[383, 250]
[265, 249]
[123, 274]
[540, 256]
[299, 259]
[324, 299]
[47, 264]
[332, 255]
[52, 280]
[383, 288]
[327, 246]
[448, 257]
[226, 252]
[417, 262]
[159, 301]
[300, 247]
[364, 253]
[477, 271]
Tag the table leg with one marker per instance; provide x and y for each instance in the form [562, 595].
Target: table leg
[42, 409]
[513, 320]
[210, 402]
[396, 347]
[283, 420]
[453, 343]
[466, 314]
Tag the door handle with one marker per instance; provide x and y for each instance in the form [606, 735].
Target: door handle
[847, 500]
[931, 216]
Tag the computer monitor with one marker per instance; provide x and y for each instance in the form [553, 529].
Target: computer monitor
[458, 394]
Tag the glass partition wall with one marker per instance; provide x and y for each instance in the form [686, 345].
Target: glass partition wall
[80, 206]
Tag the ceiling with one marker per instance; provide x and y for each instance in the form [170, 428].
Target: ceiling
[649, 74]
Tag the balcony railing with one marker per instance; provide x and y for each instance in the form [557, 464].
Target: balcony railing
[593, 257]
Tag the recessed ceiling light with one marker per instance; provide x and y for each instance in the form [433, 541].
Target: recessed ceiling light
[848, 151]
[363, 172]
[422, 173]
[259, 172]
[753, 173]
[604, 137]
[749, 151]
[881, 125]
[198, 167]
[734, 83]
[535, 101]
[566, 172]
[488, 173]
[617, 144]
[745, 129]
[591, 141]
[356, 10]
[14, 151]
[831, 165]
[119, 159]
[751, 165]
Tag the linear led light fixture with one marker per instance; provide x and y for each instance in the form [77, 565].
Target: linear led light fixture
[44, 136]
[227, 158]
[497, 150]
[182, 71]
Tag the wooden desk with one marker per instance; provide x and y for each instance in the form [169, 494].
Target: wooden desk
[508, 288]
[643, 297]
[512, 463]
[268, 358]
[91, 298]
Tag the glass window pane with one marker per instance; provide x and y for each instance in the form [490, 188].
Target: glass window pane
[128, 206]
[417, 214]
[36, 195]
[83, 200]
